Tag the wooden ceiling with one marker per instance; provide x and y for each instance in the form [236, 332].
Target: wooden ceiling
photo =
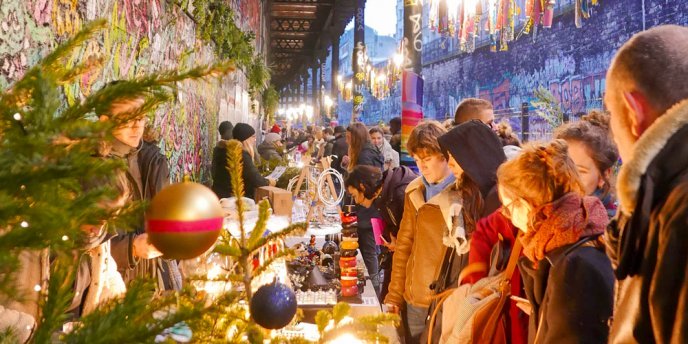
[300, 33]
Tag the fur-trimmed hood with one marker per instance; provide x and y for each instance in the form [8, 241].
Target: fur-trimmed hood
[646, 149]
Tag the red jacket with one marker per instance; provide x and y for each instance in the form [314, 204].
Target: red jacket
[483, 240]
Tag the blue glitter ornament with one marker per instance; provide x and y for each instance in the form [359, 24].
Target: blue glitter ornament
[273, 305]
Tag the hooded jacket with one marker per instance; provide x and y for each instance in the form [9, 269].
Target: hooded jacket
[370, 156]
[390, 204]
[479, 152]
[647, 241]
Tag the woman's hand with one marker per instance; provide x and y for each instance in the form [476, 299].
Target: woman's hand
[272, 182]
[345, 161]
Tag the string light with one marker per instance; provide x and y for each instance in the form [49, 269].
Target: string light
[37, 288]
[17, 116]
[24, 224]
[65, 238]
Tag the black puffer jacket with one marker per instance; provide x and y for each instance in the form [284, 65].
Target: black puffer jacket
[222, 185]
[371, 156]
[390, 204]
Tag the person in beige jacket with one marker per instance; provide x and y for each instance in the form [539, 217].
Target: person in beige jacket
[419, 247]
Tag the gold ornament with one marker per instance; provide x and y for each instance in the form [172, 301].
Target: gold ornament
[184, 220]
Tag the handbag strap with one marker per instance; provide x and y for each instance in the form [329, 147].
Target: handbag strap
[513, 258]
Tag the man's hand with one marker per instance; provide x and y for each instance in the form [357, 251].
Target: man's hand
[390, 245]
[272, 182]
[143, 249]
[392, 308]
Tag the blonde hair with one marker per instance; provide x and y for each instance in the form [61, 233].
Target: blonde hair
[541, 174]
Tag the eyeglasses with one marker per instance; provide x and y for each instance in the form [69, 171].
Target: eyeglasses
[507, 209]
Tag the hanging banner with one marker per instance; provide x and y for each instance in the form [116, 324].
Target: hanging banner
[359, 60]
[412, 81]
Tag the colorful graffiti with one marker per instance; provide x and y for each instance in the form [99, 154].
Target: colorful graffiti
[144, 36]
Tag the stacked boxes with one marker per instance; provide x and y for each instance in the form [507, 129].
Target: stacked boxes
[348, 249]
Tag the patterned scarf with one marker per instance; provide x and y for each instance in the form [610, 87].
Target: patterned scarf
[564, 222]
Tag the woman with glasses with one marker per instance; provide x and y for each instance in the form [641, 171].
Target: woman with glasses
[567, 277]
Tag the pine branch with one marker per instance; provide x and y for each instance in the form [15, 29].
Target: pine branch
[261, 224]
[59, 294]
[293, 229]
[268, 263]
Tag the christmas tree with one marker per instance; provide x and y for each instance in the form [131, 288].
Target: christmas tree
[52, 188]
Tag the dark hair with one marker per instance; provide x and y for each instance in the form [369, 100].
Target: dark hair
[328, 131]
[593, 132]
[225, 130]
[395, 125]
[359, 137]
[473, 202]
[366, 179]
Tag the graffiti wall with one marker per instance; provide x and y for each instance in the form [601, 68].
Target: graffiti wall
[143, 36]
[571, 63]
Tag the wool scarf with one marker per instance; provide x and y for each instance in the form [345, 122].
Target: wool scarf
[564, 222]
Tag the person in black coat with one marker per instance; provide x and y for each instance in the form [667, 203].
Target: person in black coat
[222, 185]
[339, 148]
[384, 192]
[566, 275]
[648, 240]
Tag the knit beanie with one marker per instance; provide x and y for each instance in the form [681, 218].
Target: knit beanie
[276, 129]
[242, 131]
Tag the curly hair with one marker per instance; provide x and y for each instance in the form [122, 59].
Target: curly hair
[541, 174]
[506, 134]
[593, 132]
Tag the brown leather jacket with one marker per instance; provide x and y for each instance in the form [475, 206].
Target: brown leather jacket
[419, 248]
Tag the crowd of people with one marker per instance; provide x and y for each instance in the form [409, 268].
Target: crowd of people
[589, 260]
[590, 252]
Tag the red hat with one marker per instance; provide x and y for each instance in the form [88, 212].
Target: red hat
[276, 129]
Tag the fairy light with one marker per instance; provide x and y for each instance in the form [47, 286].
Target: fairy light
[24, 224]
[17, 116]
[65, 238]
[37, 288]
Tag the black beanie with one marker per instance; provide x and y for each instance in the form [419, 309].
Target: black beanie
[242, 131]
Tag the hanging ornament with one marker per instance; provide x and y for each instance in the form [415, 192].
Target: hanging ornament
[184, 220]
[273, 305]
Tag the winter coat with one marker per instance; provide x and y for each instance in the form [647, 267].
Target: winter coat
[148, 173]
[390, 204]
[419, 248]
[20, 314]
[647, 244]
[479, 152]
[571, 294]
[339, 148]
[222, 185]
[484, 238]
[391, 157]
[268, 151]
[370, 156]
